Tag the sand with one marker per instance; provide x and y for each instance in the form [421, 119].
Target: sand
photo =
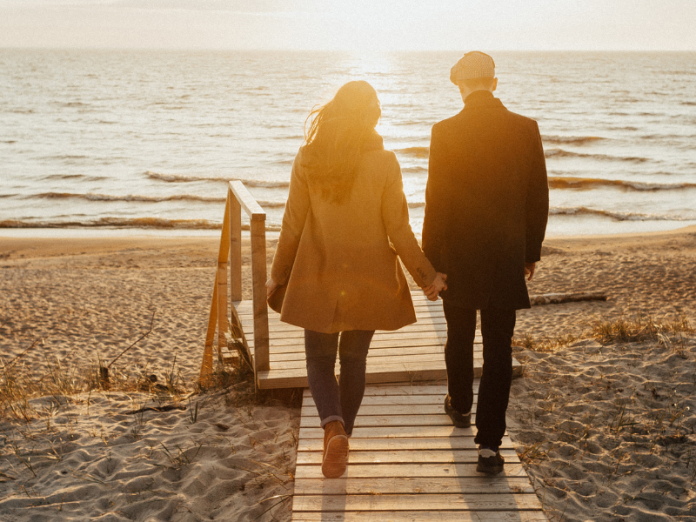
[81, 455]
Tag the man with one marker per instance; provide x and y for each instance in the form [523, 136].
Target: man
[485, 219]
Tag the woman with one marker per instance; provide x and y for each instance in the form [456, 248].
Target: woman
[345, 221]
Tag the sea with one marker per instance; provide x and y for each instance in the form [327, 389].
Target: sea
[145, 141]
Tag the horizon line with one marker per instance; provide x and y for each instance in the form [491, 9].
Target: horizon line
[276, 49]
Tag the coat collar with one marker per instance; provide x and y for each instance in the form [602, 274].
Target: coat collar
[372, 142]
[482, 100]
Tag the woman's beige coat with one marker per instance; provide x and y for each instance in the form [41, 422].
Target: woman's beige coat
[339, 260]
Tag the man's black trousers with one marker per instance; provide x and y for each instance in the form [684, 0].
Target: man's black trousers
[497, 327]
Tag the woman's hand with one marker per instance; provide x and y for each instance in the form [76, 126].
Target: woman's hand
[271, 286]
[437, 286]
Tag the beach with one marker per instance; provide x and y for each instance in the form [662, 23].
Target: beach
[68, 303]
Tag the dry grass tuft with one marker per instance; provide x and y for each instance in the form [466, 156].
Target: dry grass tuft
[640, 328]
[621, 330]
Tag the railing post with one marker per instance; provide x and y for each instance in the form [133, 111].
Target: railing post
[235, 218]
[258, 276]
[223, 254]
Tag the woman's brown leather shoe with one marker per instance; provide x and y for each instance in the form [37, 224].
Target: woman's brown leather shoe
[335, 459]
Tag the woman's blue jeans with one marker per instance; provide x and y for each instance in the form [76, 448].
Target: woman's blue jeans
[337, 400]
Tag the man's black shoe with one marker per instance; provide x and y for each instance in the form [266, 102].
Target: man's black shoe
[460, 420]
[489, 461]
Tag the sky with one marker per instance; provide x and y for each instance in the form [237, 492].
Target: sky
[381, 25]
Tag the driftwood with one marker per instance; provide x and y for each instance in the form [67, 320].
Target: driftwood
[160, 409]
[544, 299]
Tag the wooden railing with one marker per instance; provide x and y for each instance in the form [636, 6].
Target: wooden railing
[229, 327]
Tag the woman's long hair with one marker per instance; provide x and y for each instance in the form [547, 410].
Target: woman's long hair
[334, 135]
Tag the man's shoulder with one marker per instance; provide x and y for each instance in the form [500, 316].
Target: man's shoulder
[461, 119]
[522, 120]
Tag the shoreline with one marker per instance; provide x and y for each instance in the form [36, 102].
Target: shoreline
[105, 232]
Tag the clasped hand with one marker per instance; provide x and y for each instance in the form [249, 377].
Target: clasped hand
[438, 285]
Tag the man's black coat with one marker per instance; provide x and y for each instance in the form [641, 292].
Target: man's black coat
[486, 203]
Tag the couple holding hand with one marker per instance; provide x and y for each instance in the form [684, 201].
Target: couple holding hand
[346, 220]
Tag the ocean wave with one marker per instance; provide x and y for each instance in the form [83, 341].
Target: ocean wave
[143, 199]
[176, 178]
[414, 170]
[561, 153]
[616, 216]
[417, 152]
[75, 176]
[587, 183]
[135, 198]
[573, 140]
[113, 222]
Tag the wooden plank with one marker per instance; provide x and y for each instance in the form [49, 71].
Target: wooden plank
[378, 342]
[390, 409]
[397, 432]
[363, 421]
[247, 201]
[421, 516]
[405, 457]
[207, 362]
[399, 485]
[390, 394]
[420, 502]
[404, 444]
[389, 471]
[374, 353]
[386, 360]
[390, 390]
[404, 373]
[235, 235]
[421, 324]
[258, 275]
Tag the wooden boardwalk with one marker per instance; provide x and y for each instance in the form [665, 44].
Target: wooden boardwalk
[407, 462]
[411, 354]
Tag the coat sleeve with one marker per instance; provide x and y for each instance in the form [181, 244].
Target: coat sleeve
[435, 220]
[294, 219]
[395, 217]
[537, 201]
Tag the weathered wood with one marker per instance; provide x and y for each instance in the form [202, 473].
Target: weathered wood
[421, 502]
[397, 432]
[409, 470]
[397, 485]
[295, 345]
[375, 353]
[422, 321]
[405, 457]
[258, 275]
[235, 238]
[376, 374]
[364, 421]
[403, 444]
[545, 299]
[417, 389]
[247, 201]
[207, 362]
[309, 412]
[421, 516]
[424, 471]
[386, 360]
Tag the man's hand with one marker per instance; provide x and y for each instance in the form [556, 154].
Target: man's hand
[437, 286]
[271, 286]
[529, 270]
